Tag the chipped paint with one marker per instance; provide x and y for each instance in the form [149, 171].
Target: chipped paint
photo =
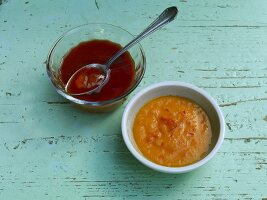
[52, 150]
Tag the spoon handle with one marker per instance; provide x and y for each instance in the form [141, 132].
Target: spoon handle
[165, 17]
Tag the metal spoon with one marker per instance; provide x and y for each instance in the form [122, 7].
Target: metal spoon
[164, 18]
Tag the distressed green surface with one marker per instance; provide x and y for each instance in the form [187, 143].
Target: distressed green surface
[51, 150]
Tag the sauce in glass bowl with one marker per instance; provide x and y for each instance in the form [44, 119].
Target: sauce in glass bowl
[98, 51]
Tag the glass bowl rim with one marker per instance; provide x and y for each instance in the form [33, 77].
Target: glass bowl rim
[93, 103]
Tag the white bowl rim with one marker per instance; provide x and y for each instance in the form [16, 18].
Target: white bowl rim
[172, 170]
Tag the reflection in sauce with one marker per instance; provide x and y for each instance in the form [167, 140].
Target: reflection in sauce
[172, 131]
[99, 51]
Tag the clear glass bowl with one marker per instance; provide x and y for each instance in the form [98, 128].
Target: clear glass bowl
[89, 32]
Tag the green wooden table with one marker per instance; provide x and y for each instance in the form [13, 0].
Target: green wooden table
[51, 150]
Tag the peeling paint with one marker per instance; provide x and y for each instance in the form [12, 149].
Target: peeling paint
[50, 149]
[96, 4]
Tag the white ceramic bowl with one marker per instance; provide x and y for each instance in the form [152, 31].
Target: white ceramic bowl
[176, 88]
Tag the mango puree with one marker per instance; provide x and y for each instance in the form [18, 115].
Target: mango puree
[172, 131]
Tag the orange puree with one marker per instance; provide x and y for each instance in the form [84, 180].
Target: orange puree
[172, 131]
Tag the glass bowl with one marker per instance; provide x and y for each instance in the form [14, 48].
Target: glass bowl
[89, 32]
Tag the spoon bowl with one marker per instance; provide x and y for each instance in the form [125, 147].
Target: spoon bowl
[101, 79]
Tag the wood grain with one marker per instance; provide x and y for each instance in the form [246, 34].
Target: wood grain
[51, 150]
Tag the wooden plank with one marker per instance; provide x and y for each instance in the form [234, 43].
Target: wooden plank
[101, 166]
[51, 150]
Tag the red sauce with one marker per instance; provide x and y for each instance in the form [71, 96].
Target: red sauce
[99, 51]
